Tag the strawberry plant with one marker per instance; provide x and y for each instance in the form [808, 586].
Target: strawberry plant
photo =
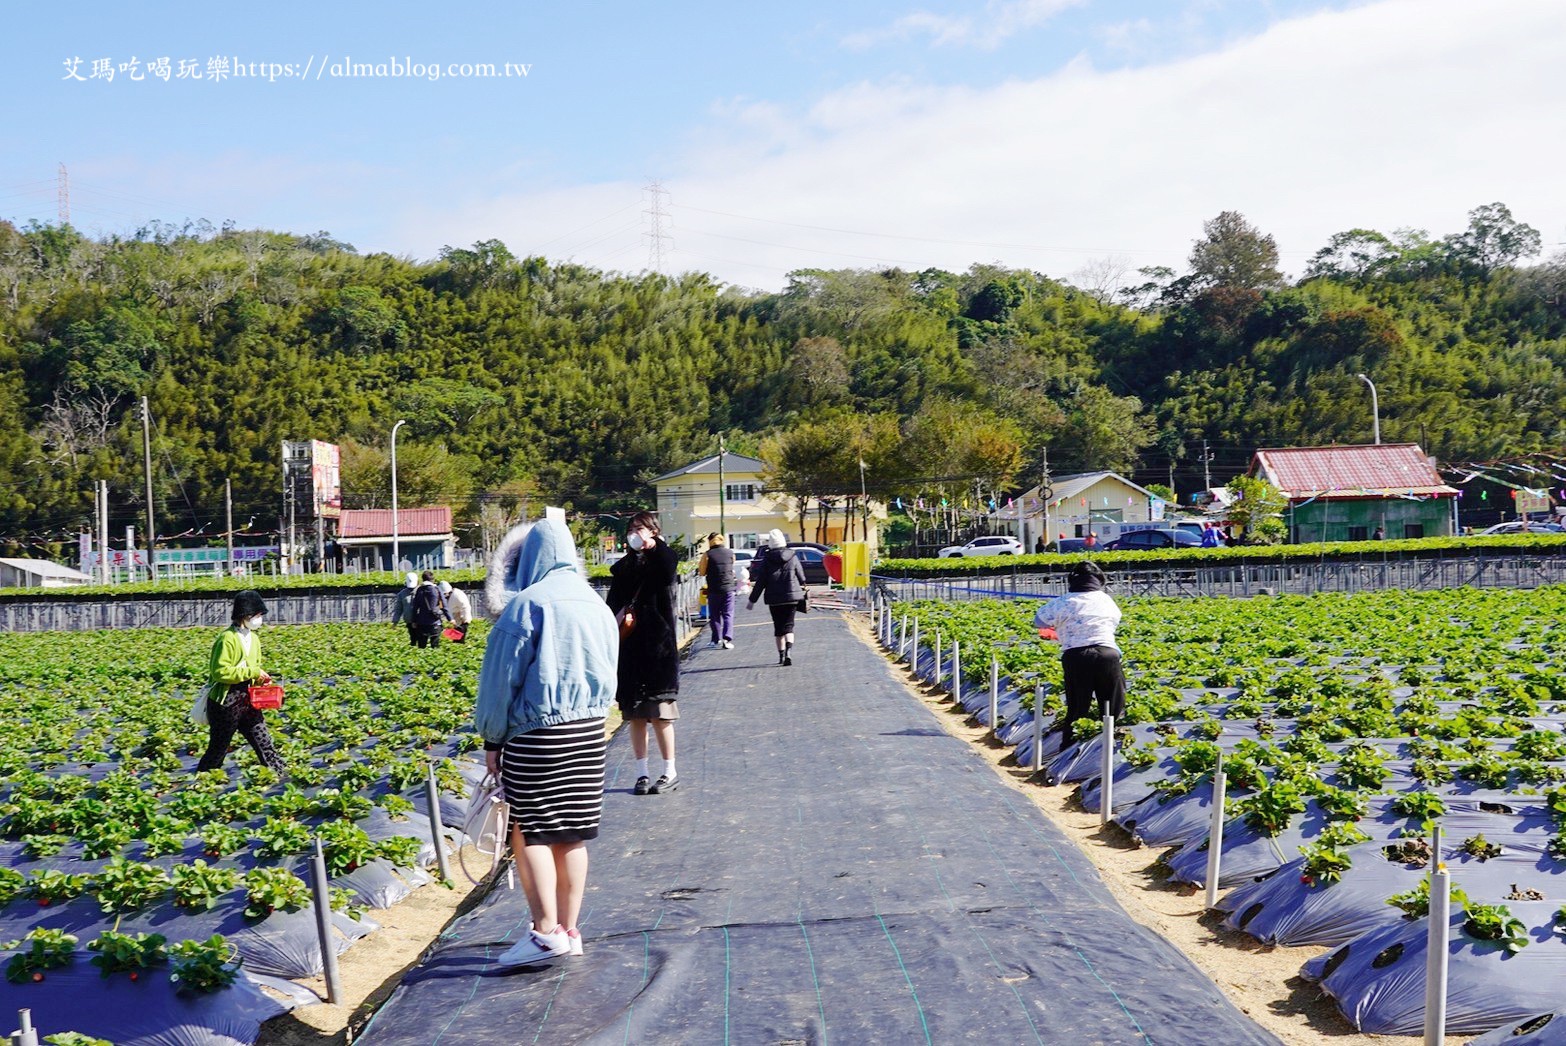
[1363, 767]
[282, 838]
[401, 850]
[39, 846]
[1324, 864]
[12, 884]
[51, 887]
[1427, 806]
[1478, 847]
[329, 802]
[198, 886]
[346, 846]
[44, 949]
[126, 886]
[127, 953]
[1269, 810]
[274, 889]
[203, 966]
[1415, 903]
[72, 1038]
[1495, 922]
[397, 807]
[221, 840]
[347, 902]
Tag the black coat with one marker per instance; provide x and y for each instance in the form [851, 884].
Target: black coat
[427, 609]
[782, 578]
[650, 655]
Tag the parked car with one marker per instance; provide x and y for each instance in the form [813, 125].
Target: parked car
[810, 544]
[1517, 526]
[998, 545]
[1148, 540]
[812, 558]
[1071, 545]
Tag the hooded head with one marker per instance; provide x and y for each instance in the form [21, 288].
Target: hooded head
[412, 580]
[1086, 576]
[445, 588]
[524, 557]
[776, 539]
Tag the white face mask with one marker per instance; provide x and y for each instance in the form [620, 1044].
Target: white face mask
[253, 623]
[636, 541]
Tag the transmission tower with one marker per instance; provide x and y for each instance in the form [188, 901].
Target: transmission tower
[63, 195]
[659, 241]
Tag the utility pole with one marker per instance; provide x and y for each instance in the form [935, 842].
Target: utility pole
[228, 519]
[1045, 492]
[395, 548]
[1207, 472]
[152, 527]
[722, 519]
[103, 532]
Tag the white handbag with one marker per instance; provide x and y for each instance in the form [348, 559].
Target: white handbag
[198, 708]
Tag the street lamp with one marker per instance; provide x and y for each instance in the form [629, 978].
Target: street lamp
[1375, 408]
[395, 550]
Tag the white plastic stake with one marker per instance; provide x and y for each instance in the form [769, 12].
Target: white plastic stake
[956, 672]
[1437, 941]
[938, 673]
[913, 651]
[27, 1035]
[994, 696]
[1038, 727]
[1215, 832]
[323, 923]
[432, 795]
[1106, 791]
[902, 639]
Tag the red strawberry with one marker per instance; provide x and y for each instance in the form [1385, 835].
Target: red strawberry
[135, 976]
[37, 976]
[43, 902]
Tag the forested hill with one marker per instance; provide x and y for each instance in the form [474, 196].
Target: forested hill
[522, 378]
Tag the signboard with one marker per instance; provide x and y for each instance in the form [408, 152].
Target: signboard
[1529, 501]
[313, 472]
[119, 559]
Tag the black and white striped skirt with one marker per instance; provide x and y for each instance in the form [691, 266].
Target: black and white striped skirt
[553, 778]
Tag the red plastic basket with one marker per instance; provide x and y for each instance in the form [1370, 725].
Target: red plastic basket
[452, 634]
[266, 697]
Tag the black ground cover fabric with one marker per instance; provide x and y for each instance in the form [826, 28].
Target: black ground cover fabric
[834, 867]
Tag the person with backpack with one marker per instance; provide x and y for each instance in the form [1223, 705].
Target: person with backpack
[426, 613]
[1083, 621]
[717, 567]
[402, 613]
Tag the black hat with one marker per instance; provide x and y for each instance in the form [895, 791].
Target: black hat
[1086, 576]
[248, 604]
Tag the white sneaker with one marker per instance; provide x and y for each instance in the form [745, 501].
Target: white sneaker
[728, 644]
[535, 948]
[575, 937]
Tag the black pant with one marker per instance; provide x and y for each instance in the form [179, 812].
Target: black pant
[1093, 671]
[426, 639]
[231, 713]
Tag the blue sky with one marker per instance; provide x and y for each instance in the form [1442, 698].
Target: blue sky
[1058, 135]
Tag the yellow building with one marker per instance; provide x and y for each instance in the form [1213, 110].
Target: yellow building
[689, 507]
[1096, 501]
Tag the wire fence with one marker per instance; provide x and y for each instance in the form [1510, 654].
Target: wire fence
[86, 615]
[1499, 570]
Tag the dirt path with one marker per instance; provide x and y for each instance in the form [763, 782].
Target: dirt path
[1261, 980]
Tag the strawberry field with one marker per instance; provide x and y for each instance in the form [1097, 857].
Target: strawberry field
[134, 891]
[1348, 727]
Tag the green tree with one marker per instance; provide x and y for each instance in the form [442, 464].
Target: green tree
[1234, 253]
[1258, 508]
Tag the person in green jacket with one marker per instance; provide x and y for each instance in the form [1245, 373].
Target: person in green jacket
[235, 664]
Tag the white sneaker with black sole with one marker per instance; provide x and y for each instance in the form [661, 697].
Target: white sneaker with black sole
[535, 948]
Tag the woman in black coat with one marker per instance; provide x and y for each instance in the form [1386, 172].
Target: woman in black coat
[641, 594]
[780, 582]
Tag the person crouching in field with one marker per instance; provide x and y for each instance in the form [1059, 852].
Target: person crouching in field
[1084, 621]
[548, 677]
[234, 665]
[458, 606]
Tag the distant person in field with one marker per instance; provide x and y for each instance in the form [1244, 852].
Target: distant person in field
[1084, 622]
[1210, 536]
[460, 609]
[402, 613]
[235, 664]
[1090, 540]
[425, 616]
[781, 585]
[1038, 545]
[548, 677]
[641, 594]
[1379, 534]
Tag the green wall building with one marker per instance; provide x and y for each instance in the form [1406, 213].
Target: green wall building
[1348, 493]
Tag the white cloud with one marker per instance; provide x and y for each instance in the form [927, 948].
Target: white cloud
[1401, 113]
[1001, 20]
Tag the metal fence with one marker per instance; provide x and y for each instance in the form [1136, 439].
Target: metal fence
[1500, 570]
[85, 615]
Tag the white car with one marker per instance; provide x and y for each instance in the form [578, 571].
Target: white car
[999, 545]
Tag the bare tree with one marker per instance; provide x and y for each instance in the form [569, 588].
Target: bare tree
[74, 426]
[1102, 278]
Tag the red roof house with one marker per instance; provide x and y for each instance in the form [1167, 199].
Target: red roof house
[424, 538]
[1352, 493]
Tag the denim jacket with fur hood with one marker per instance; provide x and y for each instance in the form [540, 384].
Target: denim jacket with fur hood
[552, 654]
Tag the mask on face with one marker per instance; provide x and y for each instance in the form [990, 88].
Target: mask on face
[253, 623]
[636, 541]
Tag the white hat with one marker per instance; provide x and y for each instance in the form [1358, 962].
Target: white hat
[776, 539]
[413, 580]
[445, 588]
